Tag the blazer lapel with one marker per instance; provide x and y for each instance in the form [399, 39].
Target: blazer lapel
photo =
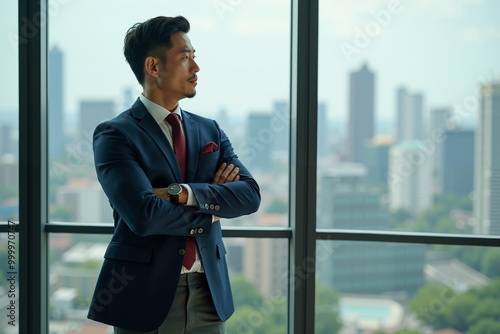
[192, 145]
[149, 125]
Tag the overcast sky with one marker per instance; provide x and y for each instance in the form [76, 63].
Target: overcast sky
[442, 49]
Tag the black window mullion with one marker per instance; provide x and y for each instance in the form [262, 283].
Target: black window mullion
[304, 101]
[33, 300]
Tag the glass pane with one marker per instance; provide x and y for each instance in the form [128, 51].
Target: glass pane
[9, 113]
[243, 50]
[370, 287]
[257, 268]
[411, 129]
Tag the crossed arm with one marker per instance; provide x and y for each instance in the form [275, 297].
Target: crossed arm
[225, 174]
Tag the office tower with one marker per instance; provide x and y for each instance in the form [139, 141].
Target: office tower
[6, 145]
[281, 127]
[355, 267]
[439, 118]
[458, 162]
[376, 158]
[87, 201]
[265, 263]
[409, 116]
[410, 177]
[487, 162]
[260, 141]
[91, 114]
[361, 111]
[56, 124]
[322, 131]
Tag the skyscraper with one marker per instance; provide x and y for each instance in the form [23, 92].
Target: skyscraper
[55, 104]
[439, 117]
[409, 116]
[487, 162]
[355, 267]
[260, 142]
[91, 114]
[410, 177]
[322, 131]
[458, 162]
[361, 111]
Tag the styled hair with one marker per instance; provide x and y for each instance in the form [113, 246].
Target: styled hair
[151, 38]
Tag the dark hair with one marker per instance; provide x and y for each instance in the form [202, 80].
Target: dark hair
[151, 38]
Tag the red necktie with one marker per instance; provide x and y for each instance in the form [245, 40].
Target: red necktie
[180, 153]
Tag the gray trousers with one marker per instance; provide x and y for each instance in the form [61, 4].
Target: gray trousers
[192, 312]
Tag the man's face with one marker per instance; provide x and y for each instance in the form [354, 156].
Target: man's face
[177, 76]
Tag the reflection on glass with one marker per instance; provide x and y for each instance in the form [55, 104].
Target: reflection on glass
[407, 288]
[411, 141]
[90, 84]
[9, 114]
[258, 273]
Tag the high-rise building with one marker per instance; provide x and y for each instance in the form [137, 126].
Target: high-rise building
[260, 142]
[91, 114]
[376, 158]
[409, 116]
[355, 267]
[458, 162]
[81, 194]
[487, 162]
[322, 131]
[410, 177]
[281, 127]
[56, 124]
[439, 118]
[6, 144]
[361, 111]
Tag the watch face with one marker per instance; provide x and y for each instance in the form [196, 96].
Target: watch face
[174, 189]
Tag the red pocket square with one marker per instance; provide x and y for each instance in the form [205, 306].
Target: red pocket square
[209, 148]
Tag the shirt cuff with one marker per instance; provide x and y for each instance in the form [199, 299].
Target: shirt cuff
[191, 200]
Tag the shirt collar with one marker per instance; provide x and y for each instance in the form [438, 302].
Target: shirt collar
[158, 112]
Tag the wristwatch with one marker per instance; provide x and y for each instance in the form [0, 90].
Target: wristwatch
[174, 190]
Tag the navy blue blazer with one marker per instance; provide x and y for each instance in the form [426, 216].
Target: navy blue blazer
[143, 261]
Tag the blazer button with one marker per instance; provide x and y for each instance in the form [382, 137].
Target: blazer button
[212, 206]
[217, 207]
[200, 230]
[182, 251]
[191, 231]
[206, 206]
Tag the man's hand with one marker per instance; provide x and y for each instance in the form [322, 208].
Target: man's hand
[225, 174]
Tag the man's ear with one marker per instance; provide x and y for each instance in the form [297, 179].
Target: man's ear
[151, 66]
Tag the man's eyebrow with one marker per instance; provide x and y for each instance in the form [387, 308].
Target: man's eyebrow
[187, 50]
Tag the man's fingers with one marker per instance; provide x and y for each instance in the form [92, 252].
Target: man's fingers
[226, 173]
[219, 173]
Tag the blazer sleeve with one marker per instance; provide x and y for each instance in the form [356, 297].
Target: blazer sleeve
[130, 192]
[228, 200]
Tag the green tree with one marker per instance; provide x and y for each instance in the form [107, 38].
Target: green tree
[457, 312]
[430, 302]
[327, 314]
[245, 292]
[485, 326]
[490, 264]
[399, 219]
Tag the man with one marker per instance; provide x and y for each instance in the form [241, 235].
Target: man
[168, 184]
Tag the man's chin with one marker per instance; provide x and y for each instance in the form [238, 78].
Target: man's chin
[189, 96]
